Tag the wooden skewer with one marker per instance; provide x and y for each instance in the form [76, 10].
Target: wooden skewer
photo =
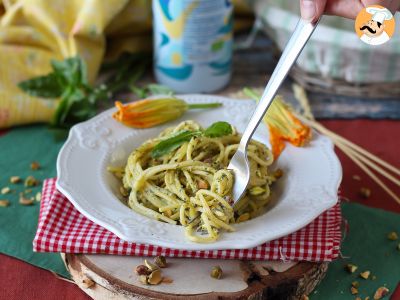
[370, 163]
[360, 156]
[346, 142]
[375, 167]
[350, 154]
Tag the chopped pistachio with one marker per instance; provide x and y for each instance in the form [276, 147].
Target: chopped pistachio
[38, 196]
[142, 270]
[365, 274]
[356, 177]
[15, 179]
[88, 283]
[355, 284]
[353, 290]
[155, 277]
[35, 165]
[367, 298]
[381, 292]
[4, 203]
[358, 298]
[216, 272]
[278, 173]
[243, 217]
[5, 190]
[160, 261]
[257, 190]
[151, 266]
[393, 236]
[373, 277]
[143, 279]
[351, 268]
[25, 201]
[31, 181]
[365, 192]
[124, 192]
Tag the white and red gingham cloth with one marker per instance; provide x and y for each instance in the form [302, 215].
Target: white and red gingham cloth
[62, 228]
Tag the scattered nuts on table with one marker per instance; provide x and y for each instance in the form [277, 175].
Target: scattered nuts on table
[355, 284]
[4, 203]
[27, 191]
[31, 181]
[155, 277]
[5, 190]
[365, 274]
[151, 266]
[35, 165]
[351, 268]
[358, 298]
[398, 246]
[393, 236]
[88, 283]
[365, 192]
[143, 279]
[15, 179]
[160, 261]
[305, 297]
[216, 272]
[353, 290]
[25, 201]
[381, 292]
[151, 273]
[38, 196]
[142, 270]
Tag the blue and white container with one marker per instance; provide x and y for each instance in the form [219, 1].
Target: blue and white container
[193, 44]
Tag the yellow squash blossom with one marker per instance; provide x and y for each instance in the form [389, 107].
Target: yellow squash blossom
[284, 126]
[148, 113]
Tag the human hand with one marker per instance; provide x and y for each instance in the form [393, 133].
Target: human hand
[313, 9]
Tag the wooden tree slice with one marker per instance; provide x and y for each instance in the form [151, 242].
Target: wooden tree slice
[113, 278]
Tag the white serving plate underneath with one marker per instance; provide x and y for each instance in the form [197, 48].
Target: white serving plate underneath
[308, 188]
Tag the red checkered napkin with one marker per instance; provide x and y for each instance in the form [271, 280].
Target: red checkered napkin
[62, 228]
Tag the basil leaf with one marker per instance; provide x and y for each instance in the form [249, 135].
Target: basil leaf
[218, 129]
[46, 86]
[159, 89]
[71, 70]
[172, 143]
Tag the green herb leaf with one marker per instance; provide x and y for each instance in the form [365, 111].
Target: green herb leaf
[159, 89]
[173, 142]
[218, 129]
[46, 86]
[71, 70]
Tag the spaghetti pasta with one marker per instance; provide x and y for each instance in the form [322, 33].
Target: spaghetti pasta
[191, 186]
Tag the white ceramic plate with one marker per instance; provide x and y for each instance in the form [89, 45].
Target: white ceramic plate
[308, 188]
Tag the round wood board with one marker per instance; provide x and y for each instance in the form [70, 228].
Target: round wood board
[113, 278]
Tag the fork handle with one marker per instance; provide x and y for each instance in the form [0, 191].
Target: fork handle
[292, 50]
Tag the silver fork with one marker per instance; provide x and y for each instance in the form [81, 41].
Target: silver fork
[239, 163]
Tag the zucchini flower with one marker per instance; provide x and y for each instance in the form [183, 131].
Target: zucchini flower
[283, 125]
[148, 113]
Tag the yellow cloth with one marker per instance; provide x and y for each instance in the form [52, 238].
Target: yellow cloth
[32, 32]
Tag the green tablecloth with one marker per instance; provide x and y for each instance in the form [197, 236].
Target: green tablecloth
[366, 244]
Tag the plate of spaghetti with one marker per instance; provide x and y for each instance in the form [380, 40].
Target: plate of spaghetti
[169, 185]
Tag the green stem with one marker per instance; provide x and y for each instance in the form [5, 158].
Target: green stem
[204, 105]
